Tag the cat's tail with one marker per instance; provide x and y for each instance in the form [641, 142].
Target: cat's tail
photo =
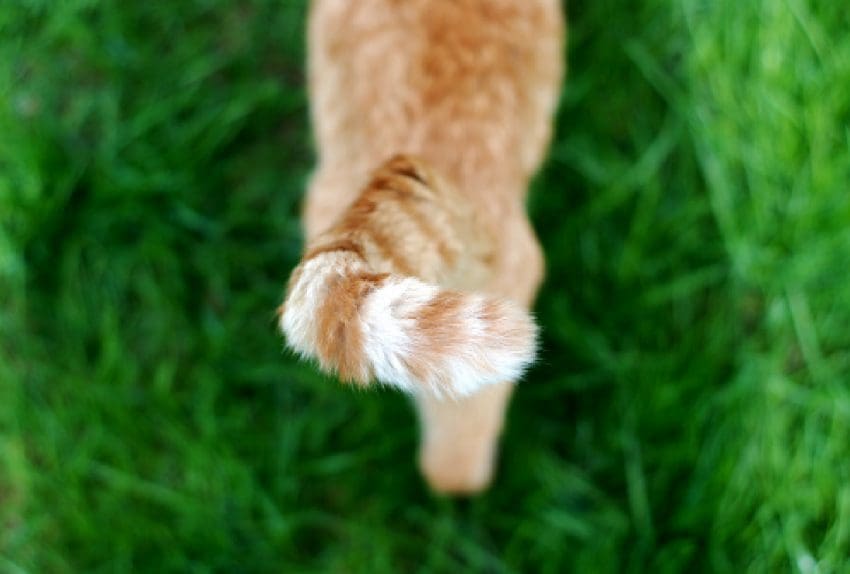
[358, 303]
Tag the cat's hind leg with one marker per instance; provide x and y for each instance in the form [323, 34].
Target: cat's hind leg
[460, 438]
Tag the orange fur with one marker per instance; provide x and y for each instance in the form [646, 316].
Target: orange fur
[430, 118]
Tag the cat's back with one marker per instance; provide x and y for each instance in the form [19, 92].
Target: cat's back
[469, 85]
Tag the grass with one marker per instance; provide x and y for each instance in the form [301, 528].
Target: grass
[692, 408]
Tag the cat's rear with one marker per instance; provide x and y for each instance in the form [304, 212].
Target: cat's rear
[430, 118]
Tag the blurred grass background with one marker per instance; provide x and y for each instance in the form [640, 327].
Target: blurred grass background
[691, 411]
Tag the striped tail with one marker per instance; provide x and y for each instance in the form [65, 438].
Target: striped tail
[358, 303]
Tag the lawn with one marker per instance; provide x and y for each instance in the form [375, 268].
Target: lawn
[691, 408]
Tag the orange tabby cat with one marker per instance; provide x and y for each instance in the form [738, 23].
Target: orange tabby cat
[430, 117]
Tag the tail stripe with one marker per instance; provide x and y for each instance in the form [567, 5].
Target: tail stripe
[339, 330]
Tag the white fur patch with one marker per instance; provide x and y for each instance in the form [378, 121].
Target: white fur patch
[484, 357]
[389, 328]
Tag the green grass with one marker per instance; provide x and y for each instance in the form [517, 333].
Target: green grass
[691, 411]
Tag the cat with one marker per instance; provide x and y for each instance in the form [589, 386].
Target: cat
[430, 118]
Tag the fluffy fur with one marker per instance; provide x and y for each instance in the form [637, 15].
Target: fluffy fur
[355, 305]
[430, 118]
